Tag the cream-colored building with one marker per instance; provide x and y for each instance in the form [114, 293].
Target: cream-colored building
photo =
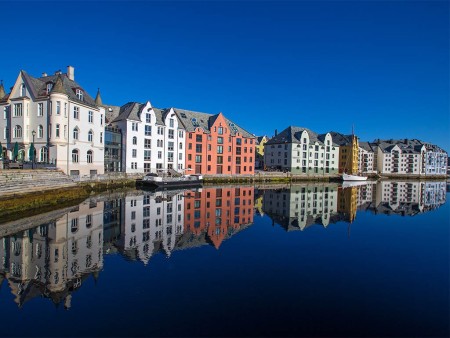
[59, 117]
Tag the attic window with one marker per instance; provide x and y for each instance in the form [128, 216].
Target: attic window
[49, 87]
[194, 122]
[183, 115]
[79, 94]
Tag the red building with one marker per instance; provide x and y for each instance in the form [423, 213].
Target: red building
[215, 145]
[218, 212]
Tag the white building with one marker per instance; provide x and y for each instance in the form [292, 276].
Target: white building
[64, 121]
[435, 160]
[152, 138]
[300, 150]
[366, 158]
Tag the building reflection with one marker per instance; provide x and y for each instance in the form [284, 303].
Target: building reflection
[52, 256]
[300, 206]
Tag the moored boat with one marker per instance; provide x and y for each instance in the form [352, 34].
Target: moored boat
[152, 179]
[347, 177]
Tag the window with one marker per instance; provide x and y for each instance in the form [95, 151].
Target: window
[170, 146]
[23, 90]
[40, 111]
[101, 137]
[159, 154]
[89, 156]
[198, 138]
[49, 87]
[79, 94]
[18, 110]
[90, 136]
[238, 141]
[75, 133]
[76, 112]
[134, 140]
[58, 107]
[43, 155]
[180, 133]
[198, 158]
[40, 132]
[220, 130]
[90, 116]
[171, 133]
[147, 143]
[148, 130]
[198, 148]
[180, 146]
[147, 155]
[220, 140]
[134, 153]
[171, 123]
[17, 132]
[148, 118]
[75, 156]
[101, 119]
[220, 149]
[65, 109]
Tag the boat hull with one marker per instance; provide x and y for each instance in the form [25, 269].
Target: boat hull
[347, 177]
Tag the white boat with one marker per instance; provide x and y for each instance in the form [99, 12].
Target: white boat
[347, 177]
[174, 179]
[351, 184]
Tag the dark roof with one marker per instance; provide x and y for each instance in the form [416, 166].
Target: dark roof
[341, 139]
[130, 111]
[293, 135]
[413, 146]
[38, 87]
[366, 146]
[191, 120]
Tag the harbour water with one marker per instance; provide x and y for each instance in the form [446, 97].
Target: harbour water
[300, 260]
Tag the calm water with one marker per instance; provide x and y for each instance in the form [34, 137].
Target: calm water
[312, 260]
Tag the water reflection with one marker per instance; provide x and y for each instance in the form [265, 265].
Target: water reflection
[53, 254]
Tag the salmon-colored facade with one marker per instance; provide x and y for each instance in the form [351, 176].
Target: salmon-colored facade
[220, 150]
[218, 212]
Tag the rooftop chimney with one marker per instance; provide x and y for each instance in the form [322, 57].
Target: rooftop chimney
[71, 73]
[44, 74]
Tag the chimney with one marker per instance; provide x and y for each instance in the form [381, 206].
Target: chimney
[276, 132]
[44, 74]
[71, 73]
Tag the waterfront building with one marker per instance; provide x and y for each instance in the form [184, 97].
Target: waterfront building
[216, 145]
[259, 154]
[366, 158]
[113, 149]
[400, 156]
[54, 258]
[302, 206]
[436, 160]
[56, 115]
[152, 139]
[348, 152]
[300, 150]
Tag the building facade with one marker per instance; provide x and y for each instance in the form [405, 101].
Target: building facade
[60, 119]
[366, 158]
[259, 155]
[300, 150]
[348, 152]
[216, 145]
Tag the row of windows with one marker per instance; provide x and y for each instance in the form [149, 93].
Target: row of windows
[76, 154]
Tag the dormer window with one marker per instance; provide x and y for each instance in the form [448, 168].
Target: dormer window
[79, 94]
[49, 87]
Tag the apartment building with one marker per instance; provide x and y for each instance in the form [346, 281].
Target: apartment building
[348, 152]
[56, 117]
[152, 139]
[300, 150]
[216, 145]
[366, 158]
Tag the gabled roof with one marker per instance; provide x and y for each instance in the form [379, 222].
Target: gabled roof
[341, 139]
[293, 135]
[130, 111]
[366, 146]
[192, 120]
[38, 87]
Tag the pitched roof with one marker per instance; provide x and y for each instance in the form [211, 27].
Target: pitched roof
[191, 120]
[341, 139]
[98, 99]
[366, 146]
[293, 135]
[129, 111]
[2, 91]
[38, 87]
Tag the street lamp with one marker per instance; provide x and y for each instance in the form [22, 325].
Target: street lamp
[33, 152]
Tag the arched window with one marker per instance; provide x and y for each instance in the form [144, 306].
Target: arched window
[75, 156]
[40, 133]
[43, 155]
[89, 156]
[90, 136]
[17, 132]
[75, 133]
[134, 140]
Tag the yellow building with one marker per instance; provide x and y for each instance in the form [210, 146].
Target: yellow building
[348, 152]
[259, 153]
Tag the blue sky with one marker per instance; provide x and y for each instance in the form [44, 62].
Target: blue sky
[381, 66]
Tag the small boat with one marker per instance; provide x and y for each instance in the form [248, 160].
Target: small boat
[351, 184]
[162, 180]
[347, 177]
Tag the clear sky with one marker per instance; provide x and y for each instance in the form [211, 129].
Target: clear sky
[382, 66]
